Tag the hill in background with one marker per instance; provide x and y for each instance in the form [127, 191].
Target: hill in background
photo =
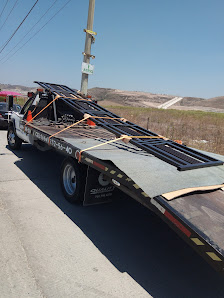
[145, 99]
[113, 97]
[16, 88]
[129, 98]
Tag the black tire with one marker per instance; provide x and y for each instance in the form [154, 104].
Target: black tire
[72, 179]
[14, 141]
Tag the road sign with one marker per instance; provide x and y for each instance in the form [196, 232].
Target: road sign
[87, 68]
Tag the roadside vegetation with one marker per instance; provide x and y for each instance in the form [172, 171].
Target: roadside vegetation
[21, 100]
[17, 100]
[201, 130]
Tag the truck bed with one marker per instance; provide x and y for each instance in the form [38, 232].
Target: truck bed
[198, 217]
[151, 174]
[148, 168]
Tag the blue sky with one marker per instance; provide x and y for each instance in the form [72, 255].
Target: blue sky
[159, 46]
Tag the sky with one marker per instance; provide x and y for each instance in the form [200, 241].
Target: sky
[160, 46]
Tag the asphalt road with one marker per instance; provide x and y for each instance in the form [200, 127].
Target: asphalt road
[50, 248]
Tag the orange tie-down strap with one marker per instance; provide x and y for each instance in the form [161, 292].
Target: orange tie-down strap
[174, 194]
[124, 138]
[41, 110]
[86, 116]
[73, 97]
[58, 96]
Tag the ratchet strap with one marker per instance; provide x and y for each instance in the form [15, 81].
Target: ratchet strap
[86, 116]
[42, 110]
[57, 96]
[124, 138]
[73, 97]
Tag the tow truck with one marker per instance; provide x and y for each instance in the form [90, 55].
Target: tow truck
[106, 154]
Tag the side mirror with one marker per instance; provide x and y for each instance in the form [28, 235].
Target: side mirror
[10, 103]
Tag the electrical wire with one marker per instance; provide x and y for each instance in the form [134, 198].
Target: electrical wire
[38, 30]
[4, 8]
[9, 14]
[28, 31]
[18, 27]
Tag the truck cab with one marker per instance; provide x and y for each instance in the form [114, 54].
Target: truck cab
[16, 131]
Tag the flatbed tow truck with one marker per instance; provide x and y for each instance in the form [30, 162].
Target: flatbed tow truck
[105, 153]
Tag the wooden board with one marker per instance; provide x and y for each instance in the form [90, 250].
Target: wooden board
[174, 194]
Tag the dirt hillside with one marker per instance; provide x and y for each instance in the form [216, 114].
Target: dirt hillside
[144, 99]
[117, 97]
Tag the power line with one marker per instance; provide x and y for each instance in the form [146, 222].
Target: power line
[9, 14]
[19, 26]
[38, 30]
[4, 8]
[29, 30]
[6, 43]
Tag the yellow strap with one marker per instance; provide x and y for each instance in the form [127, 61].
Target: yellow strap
[98, 117]
[73, 97]
[126, 138]
[148, 137]
[111, 141]
[85, 99]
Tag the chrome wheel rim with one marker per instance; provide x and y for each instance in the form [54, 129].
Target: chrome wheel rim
[69, 179]
[11, 138]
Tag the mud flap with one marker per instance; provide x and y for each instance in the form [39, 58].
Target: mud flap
[97, 189]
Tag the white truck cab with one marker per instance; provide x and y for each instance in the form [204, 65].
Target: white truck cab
[17, 118]
[16, 131]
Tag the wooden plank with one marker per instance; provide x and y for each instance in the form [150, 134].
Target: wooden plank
[174, 194]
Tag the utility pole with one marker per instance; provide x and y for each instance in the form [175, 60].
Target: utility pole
[89, 39]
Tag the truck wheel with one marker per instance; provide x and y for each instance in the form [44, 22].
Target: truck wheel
[72, 180]
[14, 142]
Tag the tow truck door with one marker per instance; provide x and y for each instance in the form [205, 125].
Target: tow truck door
[19, 124]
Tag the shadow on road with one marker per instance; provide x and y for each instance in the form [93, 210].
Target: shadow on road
[131, 237]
